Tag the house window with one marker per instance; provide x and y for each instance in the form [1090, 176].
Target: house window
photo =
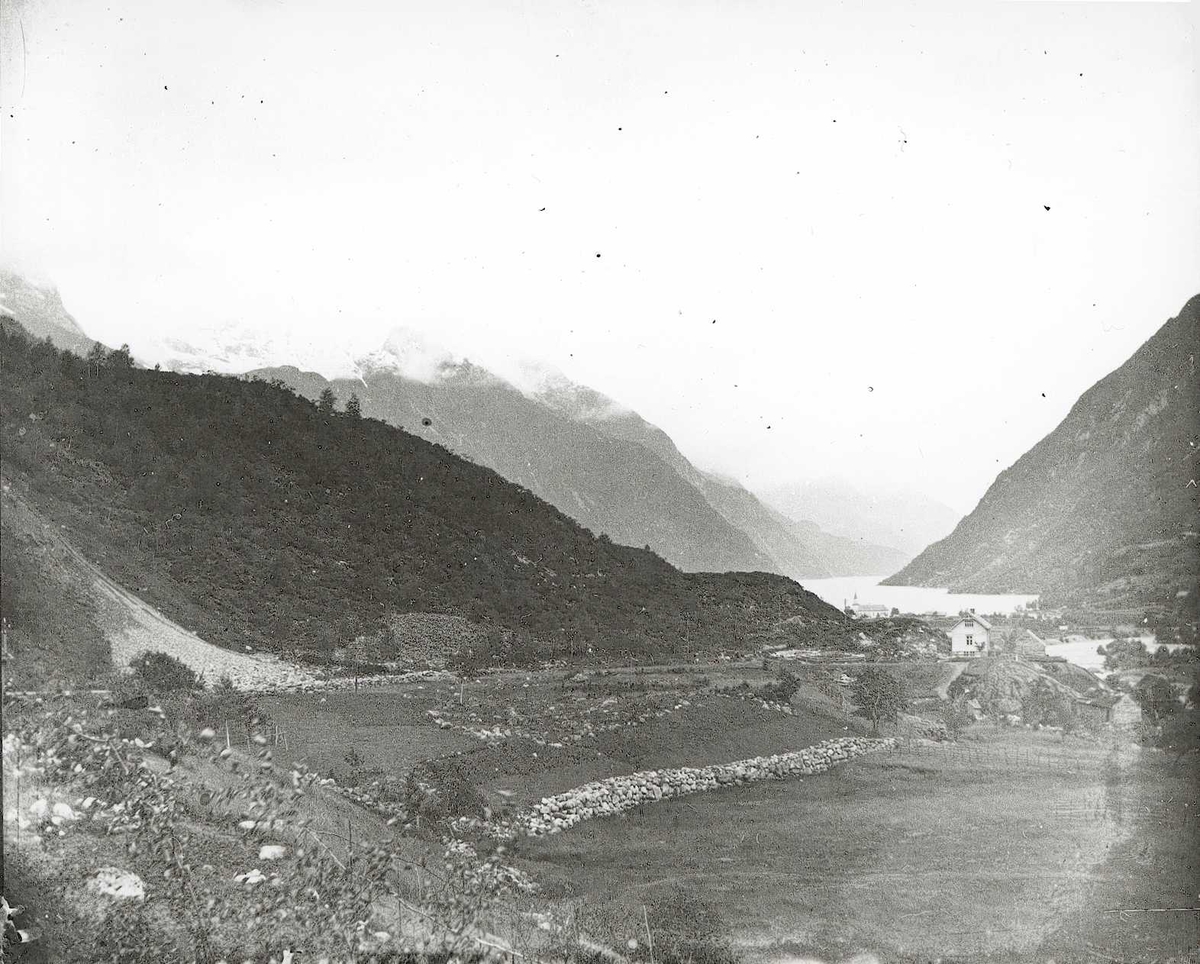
[970, 640]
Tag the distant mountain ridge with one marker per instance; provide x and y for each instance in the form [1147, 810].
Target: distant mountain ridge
[901, 518]
[594, 459]
[1105, 510]
[40, 311]
[607, 483]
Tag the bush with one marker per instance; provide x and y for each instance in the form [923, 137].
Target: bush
[441, 790]
[163, 673]
[783, 688]
[956, 717]
[1156, 697]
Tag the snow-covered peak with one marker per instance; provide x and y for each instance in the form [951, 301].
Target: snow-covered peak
[236, 348]
[410, 354]
[550, 386]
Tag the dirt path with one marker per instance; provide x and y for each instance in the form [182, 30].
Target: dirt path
[956, 670]
[132, 626]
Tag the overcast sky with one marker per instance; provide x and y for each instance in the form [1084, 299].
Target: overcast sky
[891, 244]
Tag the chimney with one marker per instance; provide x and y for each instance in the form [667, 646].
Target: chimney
[972, 612]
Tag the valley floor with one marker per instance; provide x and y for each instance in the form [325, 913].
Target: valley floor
[1014, 850]
[1010, 845]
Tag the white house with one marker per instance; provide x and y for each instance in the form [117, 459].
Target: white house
[970, 636]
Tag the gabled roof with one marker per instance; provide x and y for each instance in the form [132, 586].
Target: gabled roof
[1013, 637]
[979, 619]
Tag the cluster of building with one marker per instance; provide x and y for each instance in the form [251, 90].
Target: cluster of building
[974, 636]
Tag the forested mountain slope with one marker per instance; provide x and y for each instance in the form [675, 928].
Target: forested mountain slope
[609, 484]
[252, 518]
[601, 464]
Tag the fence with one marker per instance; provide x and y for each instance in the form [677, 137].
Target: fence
[1004, 757]
[237, 734]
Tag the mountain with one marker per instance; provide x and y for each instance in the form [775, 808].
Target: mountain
[594, 459]
[39, 310]
[247, 515]
[903, 519]
[799, 549]
[607, 483]
[1103, 511]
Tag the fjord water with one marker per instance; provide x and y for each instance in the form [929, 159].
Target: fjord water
[912, 599]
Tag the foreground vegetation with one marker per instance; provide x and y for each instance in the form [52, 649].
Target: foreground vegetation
[1012, 843]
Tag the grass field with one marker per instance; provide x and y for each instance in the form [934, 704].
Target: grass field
[1013, 846]
[912, 858]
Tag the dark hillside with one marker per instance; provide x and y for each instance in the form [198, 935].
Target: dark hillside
[253, 518]
[52, 636]
[609, 484]
[1104, 511]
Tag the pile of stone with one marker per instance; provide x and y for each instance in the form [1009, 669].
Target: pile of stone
[616, 794]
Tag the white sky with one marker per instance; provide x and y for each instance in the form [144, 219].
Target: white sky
[857, 197]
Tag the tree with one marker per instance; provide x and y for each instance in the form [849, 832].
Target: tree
[956, 715]
[1181, 733]
[783, 688]
[354, 406]
[120, 358]
[162, 672]
[1045, 706]
[325, 401]
[1124, 654]
[1156, 697]
[879, 695]
[97, 356]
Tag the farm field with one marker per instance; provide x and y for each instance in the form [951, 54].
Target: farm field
[555, 735]
[1015, 850]
[1007, 846]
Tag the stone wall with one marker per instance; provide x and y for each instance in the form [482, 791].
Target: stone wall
[603, 798]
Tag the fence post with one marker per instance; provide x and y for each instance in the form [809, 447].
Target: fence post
[227, 743]
[649, 936]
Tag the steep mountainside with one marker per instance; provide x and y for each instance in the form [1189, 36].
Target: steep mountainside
[40, 312]
[608, 484]
[904, 519]
[1103, 510]
[248, 516]
[800, 549]
[600, 463]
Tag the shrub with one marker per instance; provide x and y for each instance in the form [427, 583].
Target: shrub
[163, 673]
[1156, 697]
[956, 717]
[783, 688]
